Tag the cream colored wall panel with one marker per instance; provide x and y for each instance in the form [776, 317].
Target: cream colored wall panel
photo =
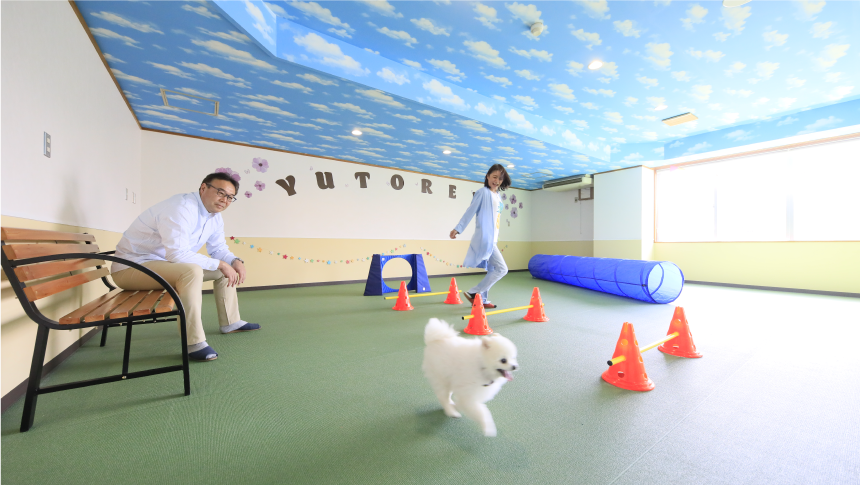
[266, 269]
[822, 266]
[18, 332]
[567, 248]
[626, 249]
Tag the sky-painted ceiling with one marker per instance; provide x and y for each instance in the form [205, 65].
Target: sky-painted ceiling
[420, 77]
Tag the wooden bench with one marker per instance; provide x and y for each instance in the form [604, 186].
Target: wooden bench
[44, 263]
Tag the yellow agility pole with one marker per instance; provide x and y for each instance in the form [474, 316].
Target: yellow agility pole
[621, 358]
[502, 311]
[419, 294]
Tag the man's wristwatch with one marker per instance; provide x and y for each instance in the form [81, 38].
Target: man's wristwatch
[236, 259]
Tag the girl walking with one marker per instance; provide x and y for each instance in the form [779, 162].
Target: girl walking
[486, 207]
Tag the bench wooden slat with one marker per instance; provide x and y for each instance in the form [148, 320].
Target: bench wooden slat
[37, 292]
[166, 304]
[16, 234]
[24, 251]
[103, 311]
[147, 305]
[78, 315]
[43, 270]
[126, 308]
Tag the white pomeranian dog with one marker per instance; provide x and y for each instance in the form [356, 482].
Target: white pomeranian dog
[472, 370]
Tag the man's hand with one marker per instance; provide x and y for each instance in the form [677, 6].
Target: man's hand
[240, 268]
[454, 233]
[229, 273]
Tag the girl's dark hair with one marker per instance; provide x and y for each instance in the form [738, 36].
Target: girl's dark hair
[221, 176]
[506, 179]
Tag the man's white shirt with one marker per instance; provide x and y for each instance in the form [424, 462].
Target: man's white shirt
[174, 230]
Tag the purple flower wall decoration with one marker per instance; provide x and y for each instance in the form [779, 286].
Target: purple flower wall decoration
[233, 175]
[521, 205]
[513, 199]
[504, 196]
[248, 194]
[507, 206]
[260, 185]
[514, 212]
[260, 164]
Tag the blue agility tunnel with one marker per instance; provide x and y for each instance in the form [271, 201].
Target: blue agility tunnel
[648, 281]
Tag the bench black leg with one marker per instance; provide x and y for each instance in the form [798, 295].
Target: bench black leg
[35, 378]
[185, 374]
[104, 335]
[127, 349]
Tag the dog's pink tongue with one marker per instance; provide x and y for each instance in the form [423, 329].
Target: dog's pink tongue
[509, 376]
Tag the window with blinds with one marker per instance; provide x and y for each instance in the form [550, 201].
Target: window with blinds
[804, 194]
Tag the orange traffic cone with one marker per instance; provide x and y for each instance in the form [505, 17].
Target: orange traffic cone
[536, 313]
[478, 323]
[453, 294]
[630, 372]
[682, 345]
[403, 299]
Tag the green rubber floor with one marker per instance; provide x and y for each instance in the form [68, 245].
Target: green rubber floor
[331, 391]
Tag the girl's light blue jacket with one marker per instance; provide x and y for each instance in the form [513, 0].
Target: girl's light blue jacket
[482, 243]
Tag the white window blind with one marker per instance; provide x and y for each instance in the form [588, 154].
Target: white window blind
[806, 194]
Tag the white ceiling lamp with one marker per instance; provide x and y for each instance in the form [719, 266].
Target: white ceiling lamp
[510, 165]
[734, 3]
[446, 152]
[356, 132]
[537, 28]
[660, 107]
[595, 65]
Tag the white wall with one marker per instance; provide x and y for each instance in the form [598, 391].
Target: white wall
[557, 216]
[53, 80]
[176, 164]
[618, 205]
[647, 227]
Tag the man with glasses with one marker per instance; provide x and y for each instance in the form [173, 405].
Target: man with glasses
[166, 237]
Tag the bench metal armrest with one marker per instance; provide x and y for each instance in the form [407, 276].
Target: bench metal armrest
[41, 319]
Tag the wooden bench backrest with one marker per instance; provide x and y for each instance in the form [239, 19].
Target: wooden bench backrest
[41, 279]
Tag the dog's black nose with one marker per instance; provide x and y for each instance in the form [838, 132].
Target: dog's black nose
[513, 367]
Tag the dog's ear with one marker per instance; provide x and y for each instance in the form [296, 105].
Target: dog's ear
[485, 342]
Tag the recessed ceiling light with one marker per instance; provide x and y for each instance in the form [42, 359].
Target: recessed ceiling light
[446, 152]
[660, 108]
[595, 65]
[510, 165]
[683, 118]
[356, 132]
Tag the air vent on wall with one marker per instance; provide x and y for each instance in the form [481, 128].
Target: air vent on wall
[568, 183]
[189, 102]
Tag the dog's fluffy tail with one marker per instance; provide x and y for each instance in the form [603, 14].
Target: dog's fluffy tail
[438, 330]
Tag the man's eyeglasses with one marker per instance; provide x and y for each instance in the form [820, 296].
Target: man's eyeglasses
[223, 195]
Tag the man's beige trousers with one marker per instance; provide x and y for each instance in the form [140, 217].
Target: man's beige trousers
[187, 279]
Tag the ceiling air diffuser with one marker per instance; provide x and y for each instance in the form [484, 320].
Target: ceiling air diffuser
[679, 119]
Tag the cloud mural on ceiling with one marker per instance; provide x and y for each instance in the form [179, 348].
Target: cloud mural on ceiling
[422, 77]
